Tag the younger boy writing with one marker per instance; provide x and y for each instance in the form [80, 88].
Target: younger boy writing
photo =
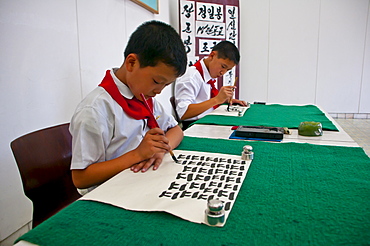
[195, 92]
[111, 128]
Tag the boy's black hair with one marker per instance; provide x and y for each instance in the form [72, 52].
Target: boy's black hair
[227, 50]
[155, 41]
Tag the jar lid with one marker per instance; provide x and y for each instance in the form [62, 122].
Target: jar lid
[215, 205]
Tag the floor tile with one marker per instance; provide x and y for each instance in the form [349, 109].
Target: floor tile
[359, 130]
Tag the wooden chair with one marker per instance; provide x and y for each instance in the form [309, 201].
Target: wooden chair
[43, 158]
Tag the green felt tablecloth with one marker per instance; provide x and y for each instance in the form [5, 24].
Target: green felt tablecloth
[293, 194]
[274, 115]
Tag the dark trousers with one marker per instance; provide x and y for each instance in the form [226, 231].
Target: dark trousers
[185, 124]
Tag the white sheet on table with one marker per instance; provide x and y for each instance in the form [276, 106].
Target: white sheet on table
[222, 110]
[141, 191]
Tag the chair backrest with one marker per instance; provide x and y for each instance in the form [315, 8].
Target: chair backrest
[43, 158]
[173, 103]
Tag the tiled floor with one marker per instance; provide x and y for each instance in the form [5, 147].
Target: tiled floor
[359, 130]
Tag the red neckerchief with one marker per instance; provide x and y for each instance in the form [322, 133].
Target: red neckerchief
[133, 107]
[214, 90]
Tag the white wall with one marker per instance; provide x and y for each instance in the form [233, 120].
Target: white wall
[102, 40]
[54, 52]
[313, 51]
[364, 101]
[39, 86]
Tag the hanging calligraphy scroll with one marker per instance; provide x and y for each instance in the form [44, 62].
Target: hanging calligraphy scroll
[203, 24]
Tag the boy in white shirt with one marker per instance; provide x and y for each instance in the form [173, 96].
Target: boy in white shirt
[111, 129]
[195, 93]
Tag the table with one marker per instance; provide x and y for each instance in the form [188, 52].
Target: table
[274, 115]
[330, 137]
[340, 138]
[295, 193]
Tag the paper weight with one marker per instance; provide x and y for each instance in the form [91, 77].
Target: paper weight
[247, 153]
[215, 213]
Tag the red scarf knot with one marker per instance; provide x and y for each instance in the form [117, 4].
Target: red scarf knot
[133, 107]
[214, 90]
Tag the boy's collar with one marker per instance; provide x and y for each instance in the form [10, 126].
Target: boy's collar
[206, 74]
[123, 89]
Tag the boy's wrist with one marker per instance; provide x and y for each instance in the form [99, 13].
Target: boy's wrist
[215, 101]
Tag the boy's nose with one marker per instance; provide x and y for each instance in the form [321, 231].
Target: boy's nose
[157, 91]
[159, 88]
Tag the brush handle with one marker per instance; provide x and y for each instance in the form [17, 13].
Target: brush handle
[147, 106]
[231, 98]
[156, 123]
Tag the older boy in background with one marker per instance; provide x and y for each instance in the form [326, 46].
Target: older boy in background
[195, 92]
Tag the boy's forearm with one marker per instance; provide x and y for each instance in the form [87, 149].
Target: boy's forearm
[97, 173]
[175, 136]
[198, 108]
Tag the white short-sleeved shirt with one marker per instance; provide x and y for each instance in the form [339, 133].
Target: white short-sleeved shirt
[101, 130]
[191, 88]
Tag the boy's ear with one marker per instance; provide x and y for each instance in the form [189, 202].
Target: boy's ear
[131, 61]
[213, 54]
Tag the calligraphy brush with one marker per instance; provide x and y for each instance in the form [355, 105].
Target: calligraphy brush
[228, 106]
[156, 123]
